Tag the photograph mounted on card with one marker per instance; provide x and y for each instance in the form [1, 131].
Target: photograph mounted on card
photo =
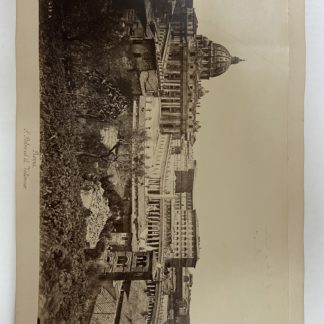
[160, 161]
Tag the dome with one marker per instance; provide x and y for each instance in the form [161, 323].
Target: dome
[215, 58]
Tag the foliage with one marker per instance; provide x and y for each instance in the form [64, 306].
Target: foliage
[66, 291]
[63, 285]
[75, 99]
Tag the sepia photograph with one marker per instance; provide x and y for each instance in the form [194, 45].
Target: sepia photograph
[164, 188]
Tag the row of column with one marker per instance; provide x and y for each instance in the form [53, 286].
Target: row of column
[153, 222]
[151, 292]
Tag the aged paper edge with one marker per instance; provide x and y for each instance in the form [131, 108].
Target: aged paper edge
[28, 161]
[296, 160]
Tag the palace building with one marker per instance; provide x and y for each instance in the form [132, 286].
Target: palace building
[171, 60]
[185, 239]
[190, 58]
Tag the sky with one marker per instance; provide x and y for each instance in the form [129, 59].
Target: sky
[241, 183]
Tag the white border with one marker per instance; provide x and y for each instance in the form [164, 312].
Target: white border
[314, 164]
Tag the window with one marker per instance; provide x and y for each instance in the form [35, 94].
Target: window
[122, 260]
[141, 261]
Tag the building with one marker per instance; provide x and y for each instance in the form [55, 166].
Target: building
[172, 60]
[148, 112]
[190, 58]
[215, 59]
[127, 265]
[180, 298]
[185, 241]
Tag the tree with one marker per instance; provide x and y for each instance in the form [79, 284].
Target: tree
[107, 156]
[98, 99]
[127, 153]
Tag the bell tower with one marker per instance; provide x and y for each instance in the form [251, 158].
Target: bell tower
[127, 265]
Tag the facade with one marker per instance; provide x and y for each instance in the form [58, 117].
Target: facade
[154, 192]
[127, 265]
[180, 298]
[172, 60]
[149, 110]
[190, 58]
[184, 248]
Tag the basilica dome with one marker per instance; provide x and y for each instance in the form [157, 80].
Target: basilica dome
[215, 59]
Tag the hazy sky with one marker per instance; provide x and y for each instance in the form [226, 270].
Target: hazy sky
[241, 184]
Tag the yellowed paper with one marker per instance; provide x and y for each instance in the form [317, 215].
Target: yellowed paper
[160, 176]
